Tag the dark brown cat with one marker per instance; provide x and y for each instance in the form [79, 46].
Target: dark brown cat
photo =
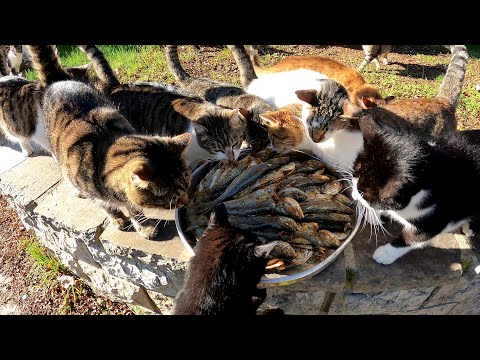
[102, 156]
[223, 275]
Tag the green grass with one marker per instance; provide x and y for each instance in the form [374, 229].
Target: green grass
[466, 264]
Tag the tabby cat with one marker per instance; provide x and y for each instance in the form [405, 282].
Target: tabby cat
[430, 117]
[20, 111]
[155, 108]
[406, 177]
[224, 94]
[373, 53]
[349, 77]
[223, 275]
[102, 156]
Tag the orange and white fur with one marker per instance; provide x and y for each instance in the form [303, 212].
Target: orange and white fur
[324, 67]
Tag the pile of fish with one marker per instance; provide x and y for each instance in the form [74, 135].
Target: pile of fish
[289, 198]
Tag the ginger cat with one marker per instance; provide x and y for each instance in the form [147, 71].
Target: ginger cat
[349, 77]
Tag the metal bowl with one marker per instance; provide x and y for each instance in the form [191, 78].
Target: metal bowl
[285, 277]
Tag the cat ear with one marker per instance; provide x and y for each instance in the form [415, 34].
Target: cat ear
[244, 112]
[219, 216]
[308, 96]
[182, 141]
[142, 175]
[269, 120]
[351, 110]
[265, 250]
[239, 120]
[367, 103]
[184, 107]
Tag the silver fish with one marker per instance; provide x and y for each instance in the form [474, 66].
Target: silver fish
[315, 206]
[326, 215]
[331, 187]
[290, 207]
[342, 199]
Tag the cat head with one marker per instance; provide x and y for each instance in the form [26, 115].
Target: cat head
[157, 176]
[285, 128]
[324, 109]
[79, 73]
[219, 131]
[368, 97]
[384, 172]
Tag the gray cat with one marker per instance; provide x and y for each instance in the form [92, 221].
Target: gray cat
[225, 94]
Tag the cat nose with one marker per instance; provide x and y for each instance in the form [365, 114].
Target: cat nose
[182, 200]
[317, 135]
[230, 155]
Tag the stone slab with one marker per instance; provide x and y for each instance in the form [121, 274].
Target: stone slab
[295, 300]
[384, 302]
[30, 179]
[70, 211]
[10, 155]
[167, 244]
[432, 266]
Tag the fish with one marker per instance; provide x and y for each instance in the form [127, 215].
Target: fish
[283, 250]
[301, 180]
[327, 215]
[289, 207]
[261, 222]
[246, 178]
[265, 154]
[342, 199]
[309, 166]
[301, 256]
[272, 234]
[293, 193]
[313, 192]
[207, 180]
[341, 235]
[231, 171]
[311, 232]
[273, 176]
[334, 225]
[259, 201]
[332, 187]
[313, 206]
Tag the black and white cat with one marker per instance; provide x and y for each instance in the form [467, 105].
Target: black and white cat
[428, 185]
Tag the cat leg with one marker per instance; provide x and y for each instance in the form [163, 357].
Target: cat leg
[377, 64]
[363, 64]
[75, 191]
[147, 228]
[387, 254]
[117, 217]
[384, 59]
[27, 149]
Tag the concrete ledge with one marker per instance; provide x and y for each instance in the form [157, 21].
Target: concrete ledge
[443, 279]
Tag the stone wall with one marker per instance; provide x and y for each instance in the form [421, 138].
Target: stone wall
[442, 279]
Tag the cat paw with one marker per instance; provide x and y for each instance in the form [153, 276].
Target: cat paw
[120, 223]
[467, 230]
[148, 232]
[387, 254]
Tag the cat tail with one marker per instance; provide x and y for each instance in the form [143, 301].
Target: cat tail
[174, 64]
[102, 67]
[245, 66]
[4, 70]
[452, 84]
[47, 63]
[255, 60]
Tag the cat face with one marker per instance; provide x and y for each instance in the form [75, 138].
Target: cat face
[382, 172]
[285, 129]
[323, 110]
[160, 178]
[221, 132]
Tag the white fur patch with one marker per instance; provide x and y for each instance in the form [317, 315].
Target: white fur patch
[387, 254]
[194, 152]
[278, 89]
[40, 135]
[412, 210]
